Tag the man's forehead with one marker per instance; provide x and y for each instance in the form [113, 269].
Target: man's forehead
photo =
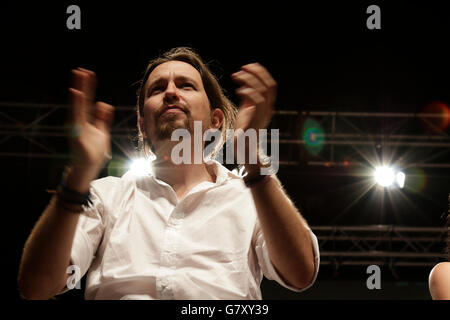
[175, 69]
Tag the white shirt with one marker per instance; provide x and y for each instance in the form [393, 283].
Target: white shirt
[138, 241]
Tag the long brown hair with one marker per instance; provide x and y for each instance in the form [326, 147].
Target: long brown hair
[214, 91]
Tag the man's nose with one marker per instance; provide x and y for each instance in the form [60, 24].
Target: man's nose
[171, 93]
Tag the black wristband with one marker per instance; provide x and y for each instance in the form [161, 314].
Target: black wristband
[260, 179]
[75, 208]
[70, 196]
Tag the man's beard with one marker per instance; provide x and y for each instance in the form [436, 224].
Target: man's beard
[166, 124]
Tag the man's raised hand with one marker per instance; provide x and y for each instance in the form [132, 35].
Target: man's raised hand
[89, 129]
[257, 92]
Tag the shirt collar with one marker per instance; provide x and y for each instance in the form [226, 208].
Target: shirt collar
[213, 166]
[222, 174]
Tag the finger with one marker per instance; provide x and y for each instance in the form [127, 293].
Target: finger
[251, 94]
[264, 76]
[77, 112]
[89, 85]
[76, 79]
[104, 115]
[253, 97]
[80, 83]
[85, 81]
[261, 73]
[249, 80]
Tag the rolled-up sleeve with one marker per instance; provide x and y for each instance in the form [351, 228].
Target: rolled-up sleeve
[88, 234]
[268, 268]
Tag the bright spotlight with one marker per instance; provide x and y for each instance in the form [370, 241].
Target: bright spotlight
[140, 167]
[387, 176]
[384, 176]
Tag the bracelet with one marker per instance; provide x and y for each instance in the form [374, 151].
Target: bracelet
[259, 180]
[71, 196]
[67, 206]
[69, 199]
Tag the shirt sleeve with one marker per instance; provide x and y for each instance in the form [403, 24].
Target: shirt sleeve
[268, 268]
[88, 234]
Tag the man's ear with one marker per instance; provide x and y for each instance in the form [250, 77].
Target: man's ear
[216, 118]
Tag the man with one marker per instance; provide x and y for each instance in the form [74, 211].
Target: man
[188, 231]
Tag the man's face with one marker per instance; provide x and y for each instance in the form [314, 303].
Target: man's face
[174, 99]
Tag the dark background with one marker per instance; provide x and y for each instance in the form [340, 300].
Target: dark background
[322, 56]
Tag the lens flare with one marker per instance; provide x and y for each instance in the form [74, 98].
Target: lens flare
[115, 167]
[435, 125]
[314, 136]
[400, 179]
[417, 180]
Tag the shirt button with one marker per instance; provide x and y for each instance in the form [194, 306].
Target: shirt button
[173, 222]
[178, 215]
[168, 259]
[171, 233]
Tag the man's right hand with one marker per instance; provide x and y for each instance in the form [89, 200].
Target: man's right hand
[90, 125]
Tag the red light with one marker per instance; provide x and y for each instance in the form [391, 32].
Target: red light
[436, 125]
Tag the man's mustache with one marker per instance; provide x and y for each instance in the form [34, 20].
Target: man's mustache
[172, 106]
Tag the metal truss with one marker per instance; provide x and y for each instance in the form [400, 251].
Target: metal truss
[32, 130]
[382, 245]
[343, 138]
[356, 138]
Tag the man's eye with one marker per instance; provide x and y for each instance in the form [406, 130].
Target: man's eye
[156, 89]
[188, 85]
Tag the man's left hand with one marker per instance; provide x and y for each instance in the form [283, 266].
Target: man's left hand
[257, 92]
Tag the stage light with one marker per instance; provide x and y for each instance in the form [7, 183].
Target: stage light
[140, 167]
[386, 176]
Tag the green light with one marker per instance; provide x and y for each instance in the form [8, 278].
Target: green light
[313, 136]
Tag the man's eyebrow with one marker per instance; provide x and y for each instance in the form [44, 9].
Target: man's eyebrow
[186, 78]
[156, 81]
[179, 77]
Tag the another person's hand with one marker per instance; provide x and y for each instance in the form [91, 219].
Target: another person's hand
[90, 130]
